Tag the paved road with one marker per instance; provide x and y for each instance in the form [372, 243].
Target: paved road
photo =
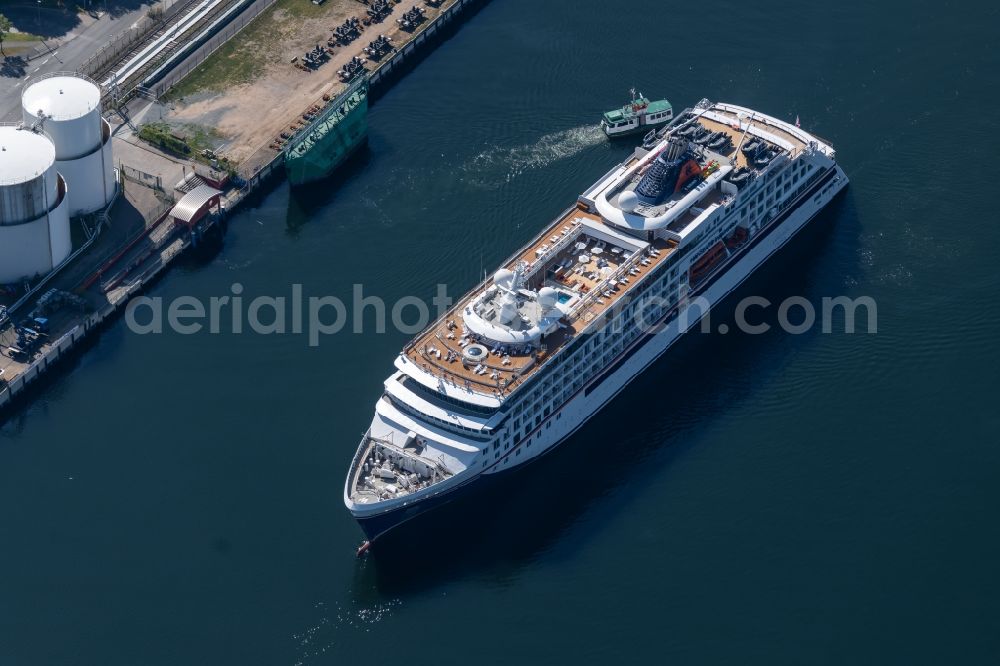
[71, 53]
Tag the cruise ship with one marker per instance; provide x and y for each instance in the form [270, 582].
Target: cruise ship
[524, 359]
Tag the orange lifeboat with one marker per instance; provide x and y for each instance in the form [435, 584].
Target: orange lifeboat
[737, 238]
[707, 262]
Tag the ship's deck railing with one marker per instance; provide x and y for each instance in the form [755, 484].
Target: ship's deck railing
[591, 297]
[440, 473]
[565, 238]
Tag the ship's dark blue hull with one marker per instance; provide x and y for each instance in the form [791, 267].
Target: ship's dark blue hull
[379, 525]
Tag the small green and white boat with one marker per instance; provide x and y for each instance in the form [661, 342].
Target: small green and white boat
[639, 115]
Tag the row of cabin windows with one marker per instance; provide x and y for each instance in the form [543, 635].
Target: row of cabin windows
[503, 445]
[567, 380]
[507, 442]
[778, 187]
[475, 433]
[650, 116]
[437, 397]
[765, 199]
[583, 366]
[785, 183]
[558, 387]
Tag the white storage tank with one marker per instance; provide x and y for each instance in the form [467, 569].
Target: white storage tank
[67, 107]
[34, 210]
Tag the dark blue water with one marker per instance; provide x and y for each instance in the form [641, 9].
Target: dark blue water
[820, 498]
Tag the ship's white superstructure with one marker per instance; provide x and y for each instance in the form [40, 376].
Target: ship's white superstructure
[528, 356]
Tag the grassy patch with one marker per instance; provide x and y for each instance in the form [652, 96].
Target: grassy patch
[20, 37]
[160, 135]
[200, 138]
[240, 60]
[244, 57]
[188, 140]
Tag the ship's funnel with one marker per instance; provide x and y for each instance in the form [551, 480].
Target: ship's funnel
[662, 175]
[675, 148]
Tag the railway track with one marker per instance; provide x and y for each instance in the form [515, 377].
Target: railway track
[149, 39]
[126, 72]
[100, 64]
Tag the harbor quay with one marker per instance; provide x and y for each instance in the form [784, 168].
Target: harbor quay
[165, 181]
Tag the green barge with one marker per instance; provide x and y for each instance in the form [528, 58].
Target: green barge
[334, 135]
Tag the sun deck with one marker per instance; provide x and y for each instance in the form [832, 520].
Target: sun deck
[736, 127]
[589, 264]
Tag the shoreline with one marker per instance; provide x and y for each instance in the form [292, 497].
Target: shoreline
[149, 241]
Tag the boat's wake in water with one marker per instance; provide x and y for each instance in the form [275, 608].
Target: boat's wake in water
[484, 167]
[314, 644]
